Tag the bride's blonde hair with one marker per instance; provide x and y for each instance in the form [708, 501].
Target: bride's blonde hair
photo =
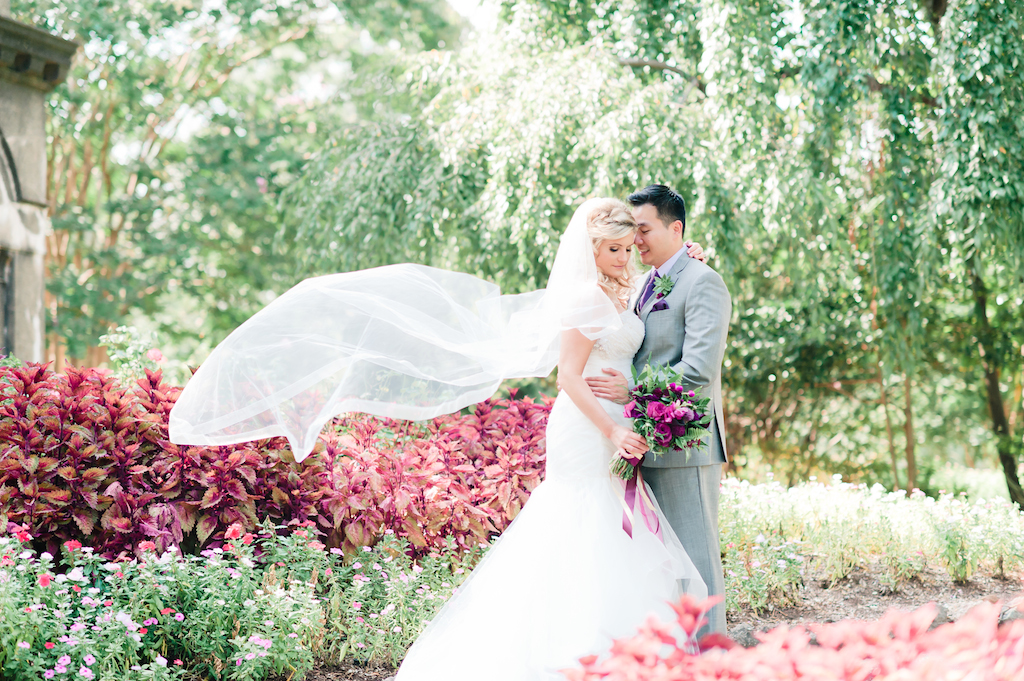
[612, 219]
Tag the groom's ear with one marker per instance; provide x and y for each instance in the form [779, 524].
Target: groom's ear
[677, 228]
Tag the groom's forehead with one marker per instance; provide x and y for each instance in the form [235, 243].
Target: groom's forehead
[646, 214]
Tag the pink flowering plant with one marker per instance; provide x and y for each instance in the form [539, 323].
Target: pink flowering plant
[665, 413]
[158, 615]
[386, 598]
[58, 622]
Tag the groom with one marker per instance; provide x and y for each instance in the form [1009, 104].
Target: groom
[685, 328]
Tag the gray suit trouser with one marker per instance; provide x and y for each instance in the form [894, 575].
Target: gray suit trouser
[688, 495]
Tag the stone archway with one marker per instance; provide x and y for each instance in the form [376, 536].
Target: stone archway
[32, 63]
[10, 191]
[11, 220]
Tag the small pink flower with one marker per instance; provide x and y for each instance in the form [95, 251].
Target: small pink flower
[25, 645]
[147, 546]
[328, 572]
[88, 660]
[48, 674]
[178, 662]
[178, 616]
[72, 544]
[49, 645]
[155, 355]
[233, 532]
[238, 662]
[356, 605]
[85, 672]
[247, 538]
[44, 580]
[119, 574]
[167, 611]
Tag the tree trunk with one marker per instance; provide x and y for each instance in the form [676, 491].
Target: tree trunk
[996, 409]
[908, 432]
[884, 399]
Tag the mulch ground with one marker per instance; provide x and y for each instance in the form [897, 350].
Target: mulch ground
[862, 596]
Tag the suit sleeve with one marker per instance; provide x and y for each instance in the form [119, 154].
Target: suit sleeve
[708, 309]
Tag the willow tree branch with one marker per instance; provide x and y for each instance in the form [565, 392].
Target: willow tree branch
[656, 65]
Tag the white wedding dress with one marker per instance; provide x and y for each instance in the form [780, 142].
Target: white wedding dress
[564, 579]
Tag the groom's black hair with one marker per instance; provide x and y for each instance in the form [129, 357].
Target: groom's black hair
[670, 206]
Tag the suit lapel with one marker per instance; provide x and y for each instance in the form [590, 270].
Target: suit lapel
[677, 268]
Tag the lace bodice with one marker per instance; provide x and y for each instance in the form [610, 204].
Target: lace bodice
[622, 344]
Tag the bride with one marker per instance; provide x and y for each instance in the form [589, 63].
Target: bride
[408, 341]
[565, 578]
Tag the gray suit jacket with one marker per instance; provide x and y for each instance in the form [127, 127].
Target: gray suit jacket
[690, 336]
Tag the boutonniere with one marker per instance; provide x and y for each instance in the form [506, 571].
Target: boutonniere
[662, 285]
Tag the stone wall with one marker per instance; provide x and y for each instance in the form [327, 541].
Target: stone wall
[32, 62]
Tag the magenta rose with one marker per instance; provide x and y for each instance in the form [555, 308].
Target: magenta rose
[630, 410]
[663, 434]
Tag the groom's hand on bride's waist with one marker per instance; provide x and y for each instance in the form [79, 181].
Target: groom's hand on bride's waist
[613, 386]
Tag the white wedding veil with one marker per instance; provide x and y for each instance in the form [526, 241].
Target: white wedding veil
[402, 341]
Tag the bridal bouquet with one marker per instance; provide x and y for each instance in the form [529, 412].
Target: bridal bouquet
[664, 413]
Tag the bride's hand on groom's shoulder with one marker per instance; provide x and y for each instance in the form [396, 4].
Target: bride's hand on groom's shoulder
[612, 387]
[695, 251]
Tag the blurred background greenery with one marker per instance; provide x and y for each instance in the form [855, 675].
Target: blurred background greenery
[855, 169]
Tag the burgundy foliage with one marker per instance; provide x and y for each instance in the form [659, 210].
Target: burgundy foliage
[84, 458]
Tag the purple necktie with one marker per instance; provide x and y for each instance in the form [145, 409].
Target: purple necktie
[648, 291]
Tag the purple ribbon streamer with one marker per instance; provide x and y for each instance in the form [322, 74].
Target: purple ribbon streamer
[636, 494]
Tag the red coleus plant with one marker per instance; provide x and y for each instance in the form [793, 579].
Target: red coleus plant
[83, 458]
[897, 647]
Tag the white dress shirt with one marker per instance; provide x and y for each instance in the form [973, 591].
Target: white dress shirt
[667, 265]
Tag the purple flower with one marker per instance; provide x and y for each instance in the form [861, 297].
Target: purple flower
[675, 387]
[664, 434]
[630, 410]
[682, 412]
[678, 430]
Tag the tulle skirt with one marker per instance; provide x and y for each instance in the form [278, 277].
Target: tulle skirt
[563, 580]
